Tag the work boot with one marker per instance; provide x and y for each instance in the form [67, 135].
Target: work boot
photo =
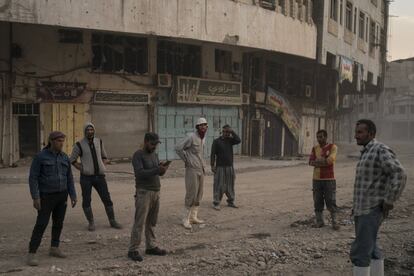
[111, 217]
[194, 216]
[55, 252]
[361, 271]
[335, 225]
[186, 219]
[89, 216]
[319, 220]
[156, 251]
[232, 205]
[377, 267]
[135, 256]
[216, 207]
[32, 259]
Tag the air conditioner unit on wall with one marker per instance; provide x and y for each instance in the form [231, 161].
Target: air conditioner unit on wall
[308, 91]
[164, 80]
[246, 98]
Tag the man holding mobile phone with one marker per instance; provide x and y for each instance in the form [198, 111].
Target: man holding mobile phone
[147, 169]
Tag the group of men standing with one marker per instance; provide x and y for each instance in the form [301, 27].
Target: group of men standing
[379, 181]
[51, 181]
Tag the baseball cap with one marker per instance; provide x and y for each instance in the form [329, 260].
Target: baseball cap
[152, 137]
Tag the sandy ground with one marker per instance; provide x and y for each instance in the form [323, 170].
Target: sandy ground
[270, 234]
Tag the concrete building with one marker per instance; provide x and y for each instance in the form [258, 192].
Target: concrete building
[396, 104]
[352, 42]
[132, 66]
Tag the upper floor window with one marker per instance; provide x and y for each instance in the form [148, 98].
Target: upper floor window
[341, 12]
[355, 20]
[361, 25]
[119, 54]
[223, 61]
[372, 36]
[348, 16]
[178, 59]
[334, 10]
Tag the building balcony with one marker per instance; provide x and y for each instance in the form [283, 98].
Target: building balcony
[217, 21]
[349, 37]
[362, 45]
[333, 27]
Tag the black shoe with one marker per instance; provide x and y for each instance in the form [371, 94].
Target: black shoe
[134, 255]
[156, 251]
[232, 205]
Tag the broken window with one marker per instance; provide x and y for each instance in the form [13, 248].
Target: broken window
[275, 76]
[119, 54]
[348, 16]
[223, 61]
[178, 59]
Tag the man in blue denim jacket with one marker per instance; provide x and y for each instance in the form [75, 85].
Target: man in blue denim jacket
[50, 182]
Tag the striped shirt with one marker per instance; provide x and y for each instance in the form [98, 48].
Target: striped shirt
[379, 178]
[328, 153]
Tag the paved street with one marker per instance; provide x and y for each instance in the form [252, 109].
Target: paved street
[257, 238]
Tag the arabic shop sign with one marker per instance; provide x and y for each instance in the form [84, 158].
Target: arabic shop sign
[203, 91]
[126, 98]
[52, 91]
[279, 105]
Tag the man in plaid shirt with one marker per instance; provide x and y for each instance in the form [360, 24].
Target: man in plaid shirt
[379, 181]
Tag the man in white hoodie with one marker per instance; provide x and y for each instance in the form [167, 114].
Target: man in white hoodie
[93, 157]
[191, 150]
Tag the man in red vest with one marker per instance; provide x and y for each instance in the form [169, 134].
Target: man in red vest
[323, 158]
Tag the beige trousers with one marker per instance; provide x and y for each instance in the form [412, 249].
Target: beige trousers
[147, 205]
[194, 183]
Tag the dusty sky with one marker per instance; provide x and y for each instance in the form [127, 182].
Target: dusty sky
[401, 43]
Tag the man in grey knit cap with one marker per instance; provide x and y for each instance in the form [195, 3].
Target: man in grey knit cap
[93, 157]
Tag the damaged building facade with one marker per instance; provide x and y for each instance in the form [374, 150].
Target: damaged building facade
[135, 66]
[396, 104]
[352, 39]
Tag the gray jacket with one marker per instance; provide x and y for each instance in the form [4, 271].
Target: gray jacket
[190, 150]
[85, 154]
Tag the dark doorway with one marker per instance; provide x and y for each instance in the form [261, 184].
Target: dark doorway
[28, 135]
[255, 146]
[291, 144]
[273, 135]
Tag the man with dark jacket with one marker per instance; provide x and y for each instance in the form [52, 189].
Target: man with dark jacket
[93, 157]
[147, 170]
[50, 182]
[221, 161]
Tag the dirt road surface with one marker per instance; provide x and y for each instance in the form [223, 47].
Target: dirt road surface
[270, 234]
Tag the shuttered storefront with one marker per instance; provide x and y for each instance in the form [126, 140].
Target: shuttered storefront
[174, 122]
[121, 127]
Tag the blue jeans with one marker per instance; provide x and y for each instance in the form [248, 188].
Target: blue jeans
[365, 247]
